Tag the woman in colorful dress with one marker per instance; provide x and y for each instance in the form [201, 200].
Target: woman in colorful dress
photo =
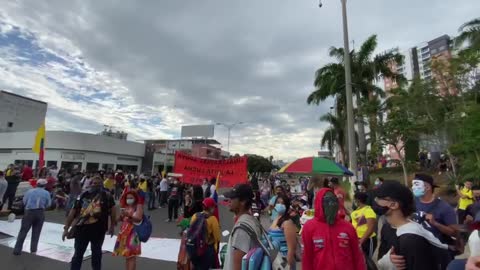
[128, 243]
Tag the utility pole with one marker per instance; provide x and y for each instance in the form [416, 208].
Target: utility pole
[352, 153]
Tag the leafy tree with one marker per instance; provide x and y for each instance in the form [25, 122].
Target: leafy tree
[258, 163]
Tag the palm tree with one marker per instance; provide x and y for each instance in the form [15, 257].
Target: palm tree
[470, 32]
[366, 70]
[335, 134]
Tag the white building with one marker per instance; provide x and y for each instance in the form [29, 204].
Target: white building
[66, 149]
[19, 113]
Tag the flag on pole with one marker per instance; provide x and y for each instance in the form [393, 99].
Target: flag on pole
[215, 197]
[39, 145]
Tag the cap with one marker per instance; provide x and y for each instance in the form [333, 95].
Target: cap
[395, 191]
[425, 178]
[240, 191]
[209, 203]
[42, 182]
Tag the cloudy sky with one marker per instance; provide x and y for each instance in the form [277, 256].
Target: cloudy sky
[148, 67]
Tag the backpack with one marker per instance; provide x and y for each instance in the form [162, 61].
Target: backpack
[196, 243]
[272, 258]
[144, 229]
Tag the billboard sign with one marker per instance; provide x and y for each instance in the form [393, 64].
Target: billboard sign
[198, 131]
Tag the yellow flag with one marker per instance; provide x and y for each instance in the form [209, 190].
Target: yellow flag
[39, 143]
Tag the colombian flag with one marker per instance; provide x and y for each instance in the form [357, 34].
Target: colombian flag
[215, 197]
[39, 145]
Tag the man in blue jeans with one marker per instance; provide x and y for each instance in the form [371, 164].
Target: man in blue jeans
[93, 209]
[36, 201]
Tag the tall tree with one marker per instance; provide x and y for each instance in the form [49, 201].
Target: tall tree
[366, 69]
[470, 32]
[335, 134]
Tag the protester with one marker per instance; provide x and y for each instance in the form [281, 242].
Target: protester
[35, 201]
[205, 185]
[173, 202]
[419, 249]
[75, 189]
[119, 184]
[364, 221]
[87, 181]
[193, 202]
[128, 244]
[13, 180]
[433, 213]
[378, 182]
[150, 194]
[3, 188]
[109, 184]
[265, 192]
[207, 260]
[466, 199]
[60, 198]
[163, 192]
[212, 188]
[341, 194]
[271, 204]
[240, 242]
[329, 241]
[27, 173]
[92, 210]
[284, 230]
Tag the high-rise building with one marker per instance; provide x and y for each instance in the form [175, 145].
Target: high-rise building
[418, 60]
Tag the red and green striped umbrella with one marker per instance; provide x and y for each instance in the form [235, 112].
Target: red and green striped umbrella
[315, 165]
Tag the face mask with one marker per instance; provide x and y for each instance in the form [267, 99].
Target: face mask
[280, 208]
[330, 207]
[130, 201]
[418, 188]
[377, 183]
[382, 210]
[175, 182]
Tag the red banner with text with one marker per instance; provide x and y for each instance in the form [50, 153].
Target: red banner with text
[232, 171]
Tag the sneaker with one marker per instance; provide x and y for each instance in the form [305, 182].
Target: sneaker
[168, 220]
[16, 253]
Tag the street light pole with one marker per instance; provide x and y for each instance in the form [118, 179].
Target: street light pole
[352, 154]
[229, 128]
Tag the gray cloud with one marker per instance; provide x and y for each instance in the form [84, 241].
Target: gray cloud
[202, 57]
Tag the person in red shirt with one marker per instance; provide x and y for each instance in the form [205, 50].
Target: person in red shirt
[341, 194]
[27, 173]
[330, 242]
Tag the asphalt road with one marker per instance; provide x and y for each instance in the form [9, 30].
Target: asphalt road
[160, 229]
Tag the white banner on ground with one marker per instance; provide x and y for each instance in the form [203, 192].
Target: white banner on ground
[52, 246]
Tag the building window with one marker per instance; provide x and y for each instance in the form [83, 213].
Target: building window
[51, 163]
[434, 51]
[10, 124]
[92, 167]
[442, 48]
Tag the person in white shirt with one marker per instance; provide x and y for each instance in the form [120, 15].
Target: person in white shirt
[213, 187]
[3, 188]
[163, 192]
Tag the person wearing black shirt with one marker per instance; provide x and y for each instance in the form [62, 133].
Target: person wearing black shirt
[173, 201]
[418, 247]
[91, 211]
[151, 194]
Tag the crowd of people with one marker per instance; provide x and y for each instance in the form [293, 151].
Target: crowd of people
[406, 227]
